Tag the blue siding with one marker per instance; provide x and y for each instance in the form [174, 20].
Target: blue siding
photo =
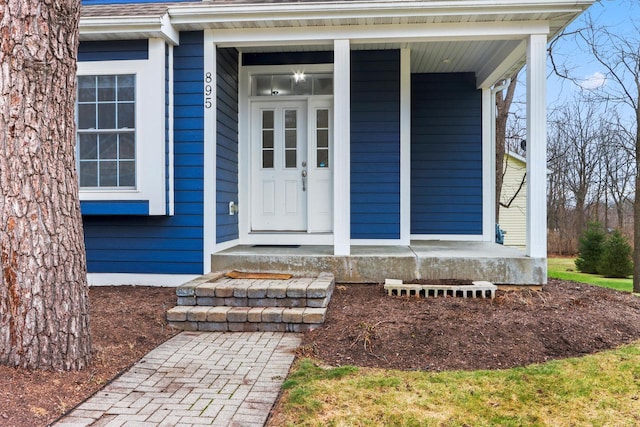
[375, 144]
[163, 245]
[113, 50]
[114, 207]
[285, 58]
[226, 143]
[446, 154]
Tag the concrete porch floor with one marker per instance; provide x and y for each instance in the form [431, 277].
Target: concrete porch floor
[373, 264]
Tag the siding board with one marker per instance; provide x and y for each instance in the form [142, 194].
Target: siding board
[446, 154]
[226, 143]
[375, 144]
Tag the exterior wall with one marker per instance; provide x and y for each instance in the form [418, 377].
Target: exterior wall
[375, 144]
[114, 50]
[227, 144]
[163, 244]
[446, 155]
[513, 219]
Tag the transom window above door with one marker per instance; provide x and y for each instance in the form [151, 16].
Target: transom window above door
[297, 83]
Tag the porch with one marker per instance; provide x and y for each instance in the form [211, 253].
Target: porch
[472, 260]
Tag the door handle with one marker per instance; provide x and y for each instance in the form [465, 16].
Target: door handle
[304, 180]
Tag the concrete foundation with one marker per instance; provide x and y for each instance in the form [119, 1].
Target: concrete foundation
[373, 264]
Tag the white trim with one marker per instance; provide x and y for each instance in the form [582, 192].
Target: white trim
[132, 279]
[449, 237]
[405, 146]
[536, 146]
[378, 242]
[383, 33]
[342, 147]
[142, 27]
[288, 239]
[244, 149]
[150, 128]
[488, 165]
[210, 126]
[170, 129]
[225, 245]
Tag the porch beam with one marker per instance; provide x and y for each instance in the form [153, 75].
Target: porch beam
[536, 146]
[342, 148]
[317, 35]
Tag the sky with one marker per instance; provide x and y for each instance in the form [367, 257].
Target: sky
[619, 16]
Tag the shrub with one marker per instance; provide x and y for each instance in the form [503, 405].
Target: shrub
[616, 256]
[590, 248]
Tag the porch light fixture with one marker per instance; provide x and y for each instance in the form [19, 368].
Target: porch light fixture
[299, 76]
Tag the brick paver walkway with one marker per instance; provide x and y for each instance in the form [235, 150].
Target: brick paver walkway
[196, 378]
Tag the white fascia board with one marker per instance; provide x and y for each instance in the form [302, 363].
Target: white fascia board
[380, 33]
[122, 27]
[208, 14]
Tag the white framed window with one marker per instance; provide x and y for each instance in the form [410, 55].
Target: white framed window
[120, 119]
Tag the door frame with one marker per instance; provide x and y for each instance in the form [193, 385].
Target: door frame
[246, 236]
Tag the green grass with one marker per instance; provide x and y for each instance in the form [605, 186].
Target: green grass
[565, 269]
[601, 389]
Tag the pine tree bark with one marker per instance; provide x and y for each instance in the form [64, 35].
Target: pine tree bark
[44, 321]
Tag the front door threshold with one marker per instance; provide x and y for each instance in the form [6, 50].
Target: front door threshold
[287, 238]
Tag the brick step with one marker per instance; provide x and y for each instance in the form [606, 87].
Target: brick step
[246, 319]
[215, 289]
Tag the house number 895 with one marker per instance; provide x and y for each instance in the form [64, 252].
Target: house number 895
[208, 90]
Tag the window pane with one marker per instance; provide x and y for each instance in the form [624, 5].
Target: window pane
[106, 88]
[126, 116]
[267, 139]
[290, 159]
[281, 85]
[86, 88]
[290, 119]
[126, 87]
[109, 146]
[86, 116]
[261, 86]
[267, 119]
[323, 158]
[88, 174]
[88, 146]
[302, 87]
[107, 116]
[323, 85]
[290, 138]
[322, 119]
[323, 138]
[127, 174]
[127, 146]
[267, 159]
[108, 174]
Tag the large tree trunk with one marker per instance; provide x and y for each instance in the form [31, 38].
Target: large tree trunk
[44, 321]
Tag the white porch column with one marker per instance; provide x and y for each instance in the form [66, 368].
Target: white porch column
[341, 147]
[405, 146]
[536, 146]
[488, 165]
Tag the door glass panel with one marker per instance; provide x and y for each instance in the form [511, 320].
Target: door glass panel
[322, 138]
[267, 139]
[290, 138]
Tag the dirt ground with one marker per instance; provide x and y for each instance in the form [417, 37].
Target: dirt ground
[126, 323]
[364, 327]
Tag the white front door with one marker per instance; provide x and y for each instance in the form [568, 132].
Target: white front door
[279, 166]
[291, 166]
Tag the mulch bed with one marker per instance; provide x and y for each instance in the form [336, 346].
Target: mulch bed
[126, 323]
[366, 327]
